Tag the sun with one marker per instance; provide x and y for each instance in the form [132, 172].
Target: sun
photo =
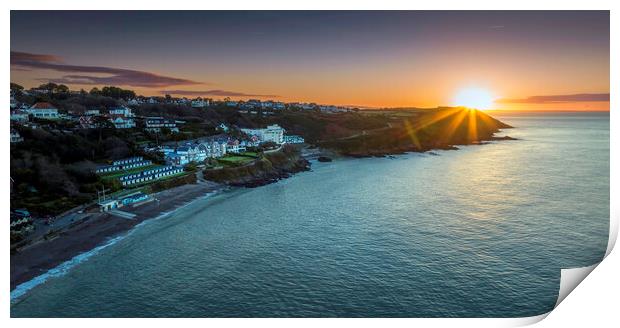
[477, 98]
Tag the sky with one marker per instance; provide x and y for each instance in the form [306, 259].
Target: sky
[524, 60]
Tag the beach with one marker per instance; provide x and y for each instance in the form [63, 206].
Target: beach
[95, 229]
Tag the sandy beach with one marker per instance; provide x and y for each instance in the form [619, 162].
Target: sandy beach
[86, 234]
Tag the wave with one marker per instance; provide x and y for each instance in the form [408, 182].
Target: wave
[59, 270]
[63, 268]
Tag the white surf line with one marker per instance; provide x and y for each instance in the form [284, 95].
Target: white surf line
[59, 270]
[63, 268]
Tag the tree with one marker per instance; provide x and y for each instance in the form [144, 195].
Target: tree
[50, 87]
[117, 93]
[62, 88]
[16, 88]
[95, 91]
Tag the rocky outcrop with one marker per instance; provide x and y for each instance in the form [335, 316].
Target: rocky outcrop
[268, 168]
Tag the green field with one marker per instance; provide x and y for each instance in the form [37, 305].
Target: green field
[249, 154]
[238, 160]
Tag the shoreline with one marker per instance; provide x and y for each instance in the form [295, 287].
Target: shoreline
[100, 230]
[95, 231]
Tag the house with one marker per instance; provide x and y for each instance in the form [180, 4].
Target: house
[273, 133]
[149, 175]
[121, 122]
[231, 103]
[19, 115]
[155, 124]
[86, 122]
[43, 110]
[125, 111]
[292, 139]
[234, 146]
[330, 109]
[222, 127]
[21, 221]
[266, 104]
[152, 101]
[134, 102]
[254, 103]
[200, 103]
[15, 137]
[193, 153]
[216, 149]
[130, 160]
[92, 112]
[176, 159]
[279, 105]
[123, 164]
[308, 106]
[13, 102]
[108, 205]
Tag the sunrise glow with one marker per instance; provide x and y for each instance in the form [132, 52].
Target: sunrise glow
[474, 97]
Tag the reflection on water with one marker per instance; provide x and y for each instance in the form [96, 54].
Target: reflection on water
[482, 231]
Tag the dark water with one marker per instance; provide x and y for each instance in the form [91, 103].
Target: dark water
[482, 231]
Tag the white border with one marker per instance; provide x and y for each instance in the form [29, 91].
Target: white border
[593, 303]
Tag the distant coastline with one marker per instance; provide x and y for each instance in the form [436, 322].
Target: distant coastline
[96, 229]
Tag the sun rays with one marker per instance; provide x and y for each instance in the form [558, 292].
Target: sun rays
[462, 121]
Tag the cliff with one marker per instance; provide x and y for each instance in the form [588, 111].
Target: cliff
[434, 129]
[267, 168]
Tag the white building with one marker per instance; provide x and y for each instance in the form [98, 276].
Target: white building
[223, 127]
[200, 103]
[43, 110]
[273, 133]
[92, 112]
[134, 102]
[279, 105]
[122, 122]
[15, 137]
[194, 152]
[155, 124]
[292, 139]
[19, 115]
[125, 111]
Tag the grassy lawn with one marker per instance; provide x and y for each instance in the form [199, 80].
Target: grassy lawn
[249, 154]
[118, 174]
[235, 160]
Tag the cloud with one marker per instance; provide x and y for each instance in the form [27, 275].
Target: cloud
[116, 76]
[221, 93]
[24, 56]
[581, 97]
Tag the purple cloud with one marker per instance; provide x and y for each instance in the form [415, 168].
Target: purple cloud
[581, 97]
[24, 56]
[116, 76]
[221, 93]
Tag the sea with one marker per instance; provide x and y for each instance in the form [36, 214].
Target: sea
[482, 231]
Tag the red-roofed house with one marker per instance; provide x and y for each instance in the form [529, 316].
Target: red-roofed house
[43, 110]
